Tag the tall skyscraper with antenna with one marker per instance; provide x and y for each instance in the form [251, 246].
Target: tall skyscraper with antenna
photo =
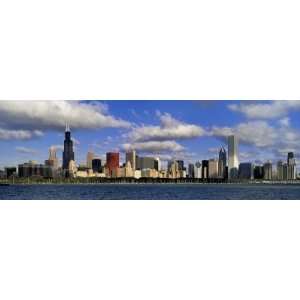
[68, 153]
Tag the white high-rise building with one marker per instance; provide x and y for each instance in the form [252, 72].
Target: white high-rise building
[233, 157]
[158, 164]
[198, 170]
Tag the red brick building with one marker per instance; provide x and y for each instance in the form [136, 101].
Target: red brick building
[112, 161]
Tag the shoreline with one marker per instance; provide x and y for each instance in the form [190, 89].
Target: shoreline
[113, 182]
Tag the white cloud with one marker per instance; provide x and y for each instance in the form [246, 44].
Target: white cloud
[258, 133]
[75, 141]
[214, 150]
[284, 122]
[154, 146]
[270, 110]
[268, 141]
[58, 147]
[169, 129]
[8, 134]
[26, 150]
[221, 131]
[44, 115]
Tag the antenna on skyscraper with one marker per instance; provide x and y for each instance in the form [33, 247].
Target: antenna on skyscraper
[67, 127]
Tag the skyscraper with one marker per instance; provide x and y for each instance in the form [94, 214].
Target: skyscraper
[291, 166]
[112, 162]
[158, 163]
[290, 156]
[280, 170]
[191, 170]
[205, 169]
[146, 163]
[198, 170]
[131, 157]
[268, 171]
[213, 168]
[180, 165]
[68, 153]
[52, 153]
[222, 163]
[89, 159]
[258, 172]
[246, 171]
[233, 159]
[52, 161]
[96, 165]
[51, 164]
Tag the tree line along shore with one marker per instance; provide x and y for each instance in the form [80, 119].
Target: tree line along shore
[127, 180]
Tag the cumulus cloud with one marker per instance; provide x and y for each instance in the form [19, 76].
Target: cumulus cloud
[8, 134]
[268, 140]
[258, 133]
[270, 110]
[154, 146]
[25, 150]
[43, 115]
[169, 129]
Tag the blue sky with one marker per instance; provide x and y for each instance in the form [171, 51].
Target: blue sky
[189, 130]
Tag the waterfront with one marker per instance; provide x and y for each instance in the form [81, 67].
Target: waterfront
[150, 191]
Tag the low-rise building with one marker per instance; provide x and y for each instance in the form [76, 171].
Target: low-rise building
[137, 174]
[150, 173]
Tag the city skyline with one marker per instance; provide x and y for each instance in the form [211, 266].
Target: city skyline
[187, 130]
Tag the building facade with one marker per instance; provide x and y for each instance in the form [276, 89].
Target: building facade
[96, 165]
[131, 157]
[191, 170]
[204, 170]
[233, 157]
[280, 170]
[68, 153]
[246, 171]
[89, 160]
[198, 170]
[10, 171]
[213, 169]
[146, 163]
[268, 171]
[258, 172]
[33, 169]
[112, 162]
[222, 163]
[291, 167]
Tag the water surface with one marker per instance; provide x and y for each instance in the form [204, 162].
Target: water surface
[150, 191]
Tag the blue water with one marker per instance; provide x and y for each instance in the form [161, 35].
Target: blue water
[150, 191]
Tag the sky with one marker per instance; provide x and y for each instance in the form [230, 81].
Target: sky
[188, 130]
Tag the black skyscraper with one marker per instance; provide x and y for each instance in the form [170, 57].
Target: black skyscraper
[68, 153]
[290, 157]
[205, 173]
[222, 163]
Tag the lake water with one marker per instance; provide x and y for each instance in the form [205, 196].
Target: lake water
[151, 191]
